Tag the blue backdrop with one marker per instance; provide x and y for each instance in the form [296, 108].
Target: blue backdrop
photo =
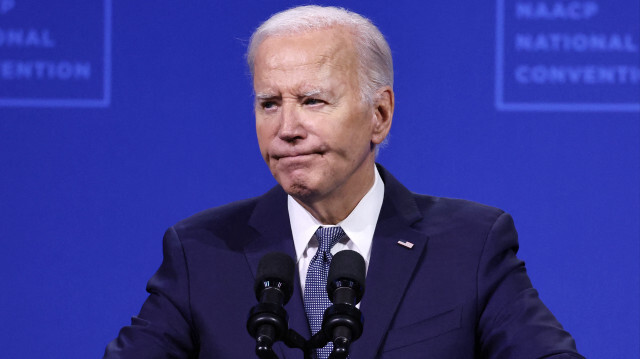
[119, 119]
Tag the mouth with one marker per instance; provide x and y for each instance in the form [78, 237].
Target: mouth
[293, 156]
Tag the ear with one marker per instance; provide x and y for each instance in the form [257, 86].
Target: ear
[382, 114]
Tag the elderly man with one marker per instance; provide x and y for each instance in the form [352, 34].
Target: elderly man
[443, 279]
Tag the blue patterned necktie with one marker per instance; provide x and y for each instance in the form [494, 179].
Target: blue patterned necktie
[316, 300]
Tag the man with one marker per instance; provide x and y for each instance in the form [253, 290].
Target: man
[443, 280]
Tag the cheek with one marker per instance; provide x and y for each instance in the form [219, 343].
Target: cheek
[357, 133]
[264, 125]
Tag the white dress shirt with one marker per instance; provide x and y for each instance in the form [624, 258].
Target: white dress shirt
[359, 227]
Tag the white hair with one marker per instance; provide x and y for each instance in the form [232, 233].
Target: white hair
[376, 64]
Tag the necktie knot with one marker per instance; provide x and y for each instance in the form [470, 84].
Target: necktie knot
[327, 237]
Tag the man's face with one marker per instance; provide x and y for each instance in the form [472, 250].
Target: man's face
[314, 131]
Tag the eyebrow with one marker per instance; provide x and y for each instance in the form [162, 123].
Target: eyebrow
[269, 96]
[265, 96]
[312, 92]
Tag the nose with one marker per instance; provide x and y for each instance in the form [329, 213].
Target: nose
[291, 126]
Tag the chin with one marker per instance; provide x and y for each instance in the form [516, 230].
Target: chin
[298, 190]
[303, 184]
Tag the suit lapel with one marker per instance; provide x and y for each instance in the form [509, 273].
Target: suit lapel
[270, 219]
[391, 265]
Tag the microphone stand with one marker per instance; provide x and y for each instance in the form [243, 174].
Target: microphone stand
[342, 323]
[336, 320]
[268, 323]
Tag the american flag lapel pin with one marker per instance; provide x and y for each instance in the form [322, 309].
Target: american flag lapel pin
[406, 244]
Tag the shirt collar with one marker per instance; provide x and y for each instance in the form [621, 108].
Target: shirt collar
[359, 225]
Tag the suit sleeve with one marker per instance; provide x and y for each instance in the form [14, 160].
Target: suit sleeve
[514, 323]
[163, 328]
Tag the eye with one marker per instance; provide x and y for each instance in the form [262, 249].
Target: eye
[268, 105]
[313, 101]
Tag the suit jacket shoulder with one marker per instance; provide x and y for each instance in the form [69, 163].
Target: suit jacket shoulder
[452, 212]
[229, 225]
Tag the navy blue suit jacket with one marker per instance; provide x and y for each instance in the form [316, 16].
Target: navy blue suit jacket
[460, 292]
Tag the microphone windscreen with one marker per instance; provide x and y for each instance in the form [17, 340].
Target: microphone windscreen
[348, 265]
[277, 267]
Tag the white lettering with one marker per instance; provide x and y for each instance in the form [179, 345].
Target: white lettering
[6, 70]
[522, 74]
[574, 74]
[622, 72]
[26, 38]
[541, 43]
[47, 41]
[15, 38]
[524, 10]
[590, 9]
[524, 42]
[557, 76]
[83, 71]
[586, 75]
[573, 10]
[555, 40]
[23, 71]
[40, 67]
[607, 74]
[45, 70]
[578, 42]
[589, 75]
[598, 42]
[538, 74]
[32, 39]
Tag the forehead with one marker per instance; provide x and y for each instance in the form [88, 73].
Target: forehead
[318, 52]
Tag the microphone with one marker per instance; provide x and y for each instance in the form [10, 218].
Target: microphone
[345, 282]
[268, 321]
[343, 322]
